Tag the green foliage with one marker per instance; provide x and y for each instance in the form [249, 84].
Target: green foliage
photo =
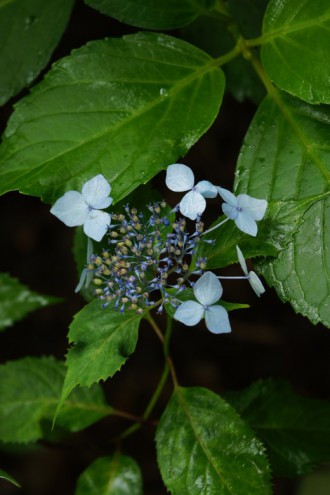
[286, 155]
[29, 33]
[295, 50]
[204, 447]
[294, 429]
[122, 107]
[16, 300]
[30, 389]
[167, 14]
[8, 477]
[102, 341]
[113, 475]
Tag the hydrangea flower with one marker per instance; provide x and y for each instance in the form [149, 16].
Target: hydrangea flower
[180, 178]
[253, 278]
[75, 208]
[207, 290]
[244, 210]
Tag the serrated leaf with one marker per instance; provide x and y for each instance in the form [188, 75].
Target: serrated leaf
[275, 231]
[121, 107]
[286, 156]
[167, 14]
[204, 447]
[30, 389]
[294, 429]
[16, 301]
[8, 477]
[29, 32]
[295, 50]
[113, 475]
[102, 339]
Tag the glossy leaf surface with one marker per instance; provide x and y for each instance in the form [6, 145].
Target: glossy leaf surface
[121, 107]
[103, 340]
[30, 389]
[286, 155]
[167, 14]
[113, 475]
[295, 429]
[8, 477]
[29, 32]
[295, 50]
[16, 301]
[204, 447]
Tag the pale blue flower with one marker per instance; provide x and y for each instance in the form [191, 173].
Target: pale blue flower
[244, 210]
[252, 277]
[207, 290]
[180, 178]
[75, 208]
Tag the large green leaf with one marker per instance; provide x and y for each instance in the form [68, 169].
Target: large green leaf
[103, 339]
[29, 32]
[16, 300]
[122, 107]
[286, 156]
[203, 447]
[30, 389]
[113, 475]
[151, 14]
[295, 50]
[8, 477]
[295, 429]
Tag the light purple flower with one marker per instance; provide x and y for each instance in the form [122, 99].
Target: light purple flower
[180, 178]
[207, 290]
[244, 210]
[253, 278]
[75, 208]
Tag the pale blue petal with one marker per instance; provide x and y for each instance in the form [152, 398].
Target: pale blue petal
[97, 224]
[207, 189]
[217, 320]
[227, 196]
[256, 284]
[179, 177]
[192, 204]
[246, 224]
[190, 313]
[71, 209]
[230, 211]
[208, 289]
[96, 191]
[242, 261]
[256, 208]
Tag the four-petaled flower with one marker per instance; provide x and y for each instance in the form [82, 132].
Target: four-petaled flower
[75, 208]
[244, 210]
[207, 290]
[253, 278]
[180, 178]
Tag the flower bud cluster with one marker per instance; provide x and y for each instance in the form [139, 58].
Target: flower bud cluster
[147, 255]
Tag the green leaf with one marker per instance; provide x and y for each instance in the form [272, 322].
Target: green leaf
[275, 231]
[204, 447]
[30, 389]
[113, 475]
[294, 429]
[16, 300]
[29, 32]
[102, 341]
[213, 37]
[122, 107]
[8, 477]
[188, 295]
[295, 50]
[286, 156]
[167, 14]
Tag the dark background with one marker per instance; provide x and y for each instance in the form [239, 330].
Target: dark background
[268, 340]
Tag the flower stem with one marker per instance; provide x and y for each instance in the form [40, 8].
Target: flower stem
[216, 226]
